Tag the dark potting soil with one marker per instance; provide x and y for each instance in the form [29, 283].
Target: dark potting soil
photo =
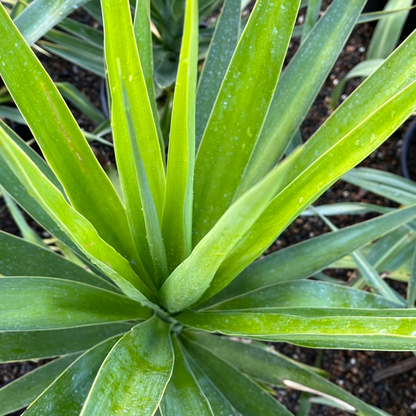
[352, 370]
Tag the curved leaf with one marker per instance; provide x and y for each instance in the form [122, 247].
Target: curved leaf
[33, 345]
[38, 261]
[67, 393]
[183, 395]
[22, 391]
[134, 375]
[239, 113]
[30, 303]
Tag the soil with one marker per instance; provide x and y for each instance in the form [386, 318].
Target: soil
[352, 370]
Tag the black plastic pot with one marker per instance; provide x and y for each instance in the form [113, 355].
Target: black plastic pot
[408, 156]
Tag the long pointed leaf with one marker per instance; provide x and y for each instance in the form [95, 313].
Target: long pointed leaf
[34, 345]
[385, 329]
[21, 392]
[32, 303]
[240, 110]
[183, 395]
[73, 223]
[242, 392]
[271, 367]
[60, 139]
[290, 103]
[221, 49]
[134, 375]
[68, 392]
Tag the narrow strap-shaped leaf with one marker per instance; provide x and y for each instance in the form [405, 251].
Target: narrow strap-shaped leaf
[373, 16]
[32, 23]
[151, 220]
[143, 35]
[316, 254]
[183, 395]
[388, 31]
[67, 393]
[245, 395]
[192, 278]
[219, 404]
[119, 32]
[27, 232]
[93, 36]
[75, 96]
[134, 375]
[307, 294]
[32, 303]
[73, 223]
[371, 329]
[124, 66]
[21, 392]
[311, 17]
[290, 103]
[60, 139]
[75, 50]
[411, 289]
[177, 213]
[93, 8]
[369, 273]
[312, 180]
[38, 261]
[240, 110]
[221, 49]
[269, 366]
[388, 185]
[34, 345]
[363, 69]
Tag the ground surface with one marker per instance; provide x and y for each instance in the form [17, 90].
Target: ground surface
[350, 369]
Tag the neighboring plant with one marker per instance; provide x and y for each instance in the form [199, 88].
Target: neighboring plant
[175, 260]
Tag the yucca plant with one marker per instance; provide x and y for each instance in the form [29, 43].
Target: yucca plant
[172, 260]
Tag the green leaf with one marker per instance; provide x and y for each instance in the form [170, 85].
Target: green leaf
[298, 294]
[12, 114]
[193, 277]
[76, 51]
[126, 60]
[363, 69]
[21, 392]
[33, 345]
[306, 182]
[177, 213]
[93, 36]
[61, 140]
[316, 254]
[38, 261]
[72, 223]
[411, 290]
[143, 35]
[32, 303]
[32, 23]
[290, 103]
[388, 185]
[388, 31]
[373, 16]
[239, 113]
[27, 233]
[75, 97]
[183, 395]
[245, 395]
[134, 375]
[312, 15]
[267, 365]
[219, 404]
[221, 49]
[151, 220]
[369, 329]
[67, 393]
